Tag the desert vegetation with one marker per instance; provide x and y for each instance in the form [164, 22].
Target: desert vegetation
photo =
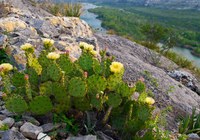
[53, 83]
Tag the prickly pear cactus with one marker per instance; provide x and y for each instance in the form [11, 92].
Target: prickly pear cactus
[86, 63]
[65, 63]
[43, 60]
[63, 106]
[16, 104]
[106, 67]
[142, 97]
[77, 72]
[33, 78]
[96, 102]
[18, 79]
[96, 83]
[41, 105]
[59, 92]
[140, 87]
[82, 104]
[114, 100]
[113, 82]
[77, 87]
[19, 83]
[32, 61]
[51, 72]
[54, 72]
[97, 67]
[46, 88]
[124, 90]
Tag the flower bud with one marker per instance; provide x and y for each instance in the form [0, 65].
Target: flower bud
[85, 74]
[26, 77]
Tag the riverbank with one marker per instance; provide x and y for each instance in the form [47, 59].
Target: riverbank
[120, 27]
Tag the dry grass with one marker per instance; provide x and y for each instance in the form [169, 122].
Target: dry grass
[63, 9]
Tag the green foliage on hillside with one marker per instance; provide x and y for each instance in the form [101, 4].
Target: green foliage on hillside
[128, 22]
[136, 24]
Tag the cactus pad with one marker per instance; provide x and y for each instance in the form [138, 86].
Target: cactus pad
[124, 90]
[41, 105]
[46, 88]
[16, 104]
[96, 83]
[82, 104]
[114, 100]
[65, 64]
[77, 87]
[86, 63]
[140, 87]
[18, 79]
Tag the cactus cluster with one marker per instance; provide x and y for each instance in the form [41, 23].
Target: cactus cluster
[52, 82]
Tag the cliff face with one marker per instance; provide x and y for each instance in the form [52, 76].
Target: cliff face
[29, 24]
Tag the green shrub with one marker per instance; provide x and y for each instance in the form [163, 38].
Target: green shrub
[190, 124]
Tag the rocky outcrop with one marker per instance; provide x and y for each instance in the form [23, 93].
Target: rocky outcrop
[30, 24]
[139, 63]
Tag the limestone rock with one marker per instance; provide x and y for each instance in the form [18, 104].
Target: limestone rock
[88, 137]
[29, 24]
[42, 136]
[11, 24]
[13, 135]
[9, 122]
[31, 120]
[49, 127]
[30, 131]
[193, 136]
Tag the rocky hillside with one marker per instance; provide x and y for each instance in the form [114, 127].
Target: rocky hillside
[29, 24]
[156, 70]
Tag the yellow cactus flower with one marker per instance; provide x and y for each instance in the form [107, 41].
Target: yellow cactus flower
[53, 56]
[48, 42]
[90, 48]
[82, 44]
[86, 46]
[149, 100]
[26, 46]
[116, 67]
[5, 67]
[94, 52]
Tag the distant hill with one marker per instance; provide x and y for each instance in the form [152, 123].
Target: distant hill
[175, 4]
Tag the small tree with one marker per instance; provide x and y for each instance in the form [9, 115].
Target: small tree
[154, 32]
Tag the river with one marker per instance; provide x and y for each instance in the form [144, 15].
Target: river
[95, 23]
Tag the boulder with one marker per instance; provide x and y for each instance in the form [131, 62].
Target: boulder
[87, 137]
[9, 122]
[30, 131]
[49, 127]
[42, 136]
[31, 120]
[12, 135]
